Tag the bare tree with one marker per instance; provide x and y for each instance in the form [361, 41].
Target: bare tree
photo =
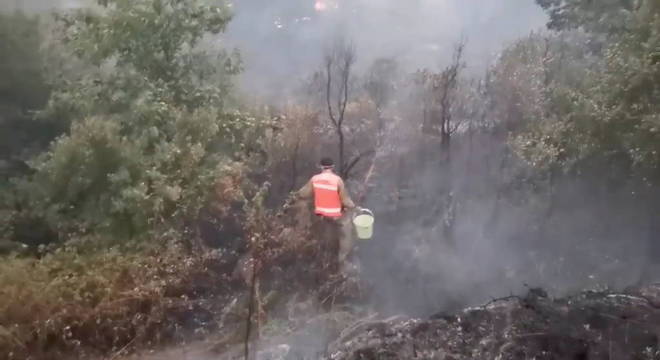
[339, 61]
[440, 93]
[380, 84]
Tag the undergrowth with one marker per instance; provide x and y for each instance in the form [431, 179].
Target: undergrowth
[77, 304]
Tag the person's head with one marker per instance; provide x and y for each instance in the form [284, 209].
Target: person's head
[327, 163]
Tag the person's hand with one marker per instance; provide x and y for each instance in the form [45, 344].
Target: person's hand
[285, 208]
[288, 203]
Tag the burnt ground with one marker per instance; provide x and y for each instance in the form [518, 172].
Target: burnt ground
[591, 325]
[587, 326]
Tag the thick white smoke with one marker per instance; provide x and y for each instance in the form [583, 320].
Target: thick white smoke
[282, 40]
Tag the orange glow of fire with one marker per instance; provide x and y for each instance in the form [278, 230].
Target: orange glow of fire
[320, 5]
[326, 5]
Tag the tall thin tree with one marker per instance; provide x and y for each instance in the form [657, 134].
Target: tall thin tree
[338, 64]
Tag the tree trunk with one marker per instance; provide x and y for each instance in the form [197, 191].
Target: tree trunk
[491, 224]
[445, 145]
[650, 273]
[294, 167]
[550, 210]
[340, 133]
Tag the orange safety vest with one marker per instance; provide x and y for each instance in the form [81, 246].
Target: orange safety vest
[327, 201]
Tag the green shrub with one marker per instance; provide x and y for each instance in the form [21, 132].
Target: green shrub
[150, 133]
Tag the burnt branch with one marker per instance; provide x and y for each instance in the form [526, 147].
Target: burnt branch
[328, 70]
[339, 63]
[351, 164]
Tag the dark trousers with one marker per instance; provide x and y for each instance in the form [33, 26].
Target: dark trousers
[327, 233]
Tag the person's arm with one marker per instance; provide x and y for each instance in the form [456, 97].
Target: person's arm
[305, 192]
[346, 200]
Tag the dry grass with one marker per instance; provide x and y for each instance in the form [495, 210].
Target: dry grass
[96, 304]
[93, 304]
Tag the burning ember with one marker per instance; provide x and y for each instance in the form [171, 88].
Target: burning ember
[325, 5]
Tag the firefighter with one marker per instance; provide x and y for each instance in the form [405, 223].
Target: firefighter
[331, 223]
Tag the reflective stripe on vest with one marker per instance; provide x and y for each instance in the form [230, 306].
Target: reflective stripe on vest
[326, 187]
[327, 201]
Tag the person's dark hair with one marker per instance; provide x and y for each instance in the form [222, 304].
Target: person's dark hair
[327, 162]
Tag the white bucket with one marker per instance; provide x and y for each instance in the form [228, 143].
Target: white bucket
[364, 224]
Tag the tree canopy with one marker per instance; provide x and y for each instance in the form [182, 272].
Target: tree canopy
[150, 131]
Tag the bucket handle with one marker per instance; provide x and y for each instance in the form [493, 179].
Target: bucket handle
[364, 211]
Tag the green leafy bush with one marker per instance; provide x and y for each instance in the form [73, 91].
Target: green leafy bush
[98, 179]
[609, 116]
[151, 133]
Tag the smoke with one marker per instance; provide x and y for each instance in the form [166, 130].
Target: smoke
[495, 252]
[454, 237]
[282, 41]
[37, 5]
[500, 241]
[503, 240]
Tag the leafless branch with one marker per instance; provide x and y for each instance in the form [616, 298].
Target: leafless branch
[348, 57]
[328, 70]
[351, 164]
[441, 89]
[251, 300]
[338, 64]
[457, 124]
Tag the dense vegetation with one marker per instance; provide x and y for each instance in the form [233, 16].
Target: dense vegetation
[125, 148]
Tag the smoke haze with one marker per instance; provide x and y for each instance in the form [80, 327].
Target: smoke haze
[283, 40]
